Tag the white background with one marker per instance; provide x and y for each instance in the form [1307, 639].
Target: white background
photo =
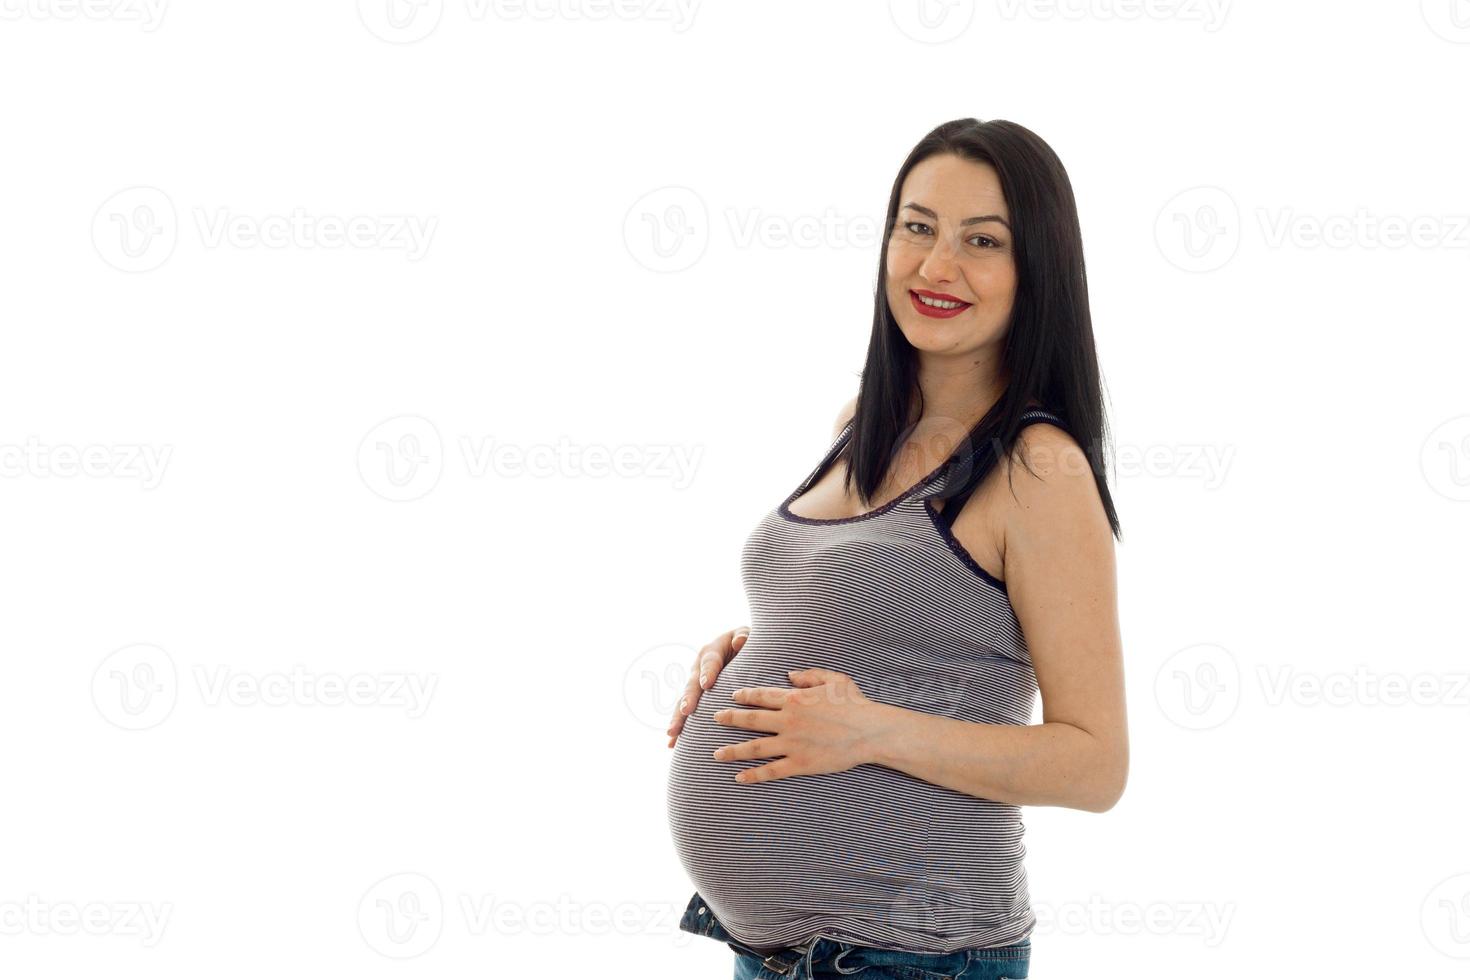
[339, 490]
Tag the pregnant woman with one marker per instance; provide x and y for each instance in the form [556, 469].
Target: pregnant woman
[848, 773]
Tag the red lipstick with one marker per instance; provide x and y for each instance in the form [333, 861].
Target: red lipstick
[938, 313]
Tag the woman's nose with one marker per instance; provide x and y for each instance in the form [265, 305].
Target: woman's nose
[939, 265]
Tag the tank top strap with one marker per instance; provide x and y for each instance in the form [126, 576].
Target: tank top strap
[1042, 415]
[827, 458]
[1029, 416]
[953, 505]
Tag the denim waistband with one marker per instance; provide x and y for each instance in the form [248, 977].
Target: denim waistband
[796, 960]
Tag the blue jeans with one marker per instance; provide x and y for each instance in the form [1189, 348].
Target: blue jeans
[825, 958]
[830, 960]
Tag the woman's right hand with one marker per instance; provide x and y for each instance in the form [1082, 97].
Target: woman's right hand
[707, 666]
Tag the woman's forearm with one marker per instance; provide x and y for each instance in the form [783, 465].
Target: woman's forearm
[1051, 764]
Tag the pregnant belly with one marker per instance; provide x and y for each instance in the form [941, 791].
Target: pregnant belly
[769, 856]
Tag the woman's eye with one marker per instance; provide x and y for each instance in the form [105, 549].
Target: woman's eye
[981, 241]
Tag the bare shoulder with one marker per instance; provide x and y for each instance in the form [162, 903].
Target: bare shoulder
[1053, 508]
[1049, 453]
[844, 416]
[1049, 475]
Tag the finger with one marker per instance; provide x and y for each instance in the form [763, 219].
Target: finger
[757, 721]
[771, 770]
[813, 676]
[687, 703]
[716, 655]
[761, 697]
[708, 663]
[756, 748]
[677, 725]
[687, 700]
[711, 661]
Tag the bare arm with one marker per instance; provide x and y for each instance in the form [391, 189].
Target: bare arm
[1061, 577]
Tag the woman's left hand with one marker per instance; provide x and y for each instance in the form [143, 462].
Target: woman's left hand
[824, 724]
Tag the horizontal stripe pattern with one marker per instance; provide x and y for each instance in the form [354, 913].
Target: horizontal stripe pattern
[870, 855]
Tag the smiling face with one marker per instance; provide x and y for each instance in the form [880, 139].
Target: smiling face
[952, 242]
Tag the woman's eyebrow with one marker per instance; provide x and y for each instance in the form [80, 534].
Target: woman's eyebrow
[968, 221]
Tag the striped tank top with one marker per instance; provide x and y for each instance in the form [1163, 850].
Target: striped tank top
[871, 855]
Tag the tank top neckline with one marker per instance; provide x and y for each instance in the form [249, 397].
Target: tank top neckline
[785, 511]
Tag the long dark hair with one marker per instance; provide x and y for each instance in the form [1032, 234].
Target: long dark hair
[1049, 355]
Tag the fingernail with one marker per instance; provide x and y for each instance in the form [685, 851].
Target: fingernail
[703, 679]
[683, 701]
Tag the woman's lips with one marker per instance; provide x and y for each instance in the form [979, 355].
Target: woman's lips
[935, 311]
